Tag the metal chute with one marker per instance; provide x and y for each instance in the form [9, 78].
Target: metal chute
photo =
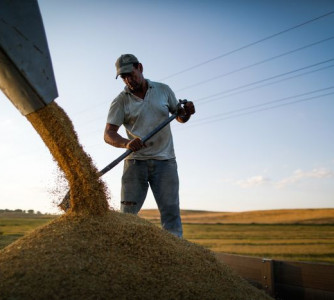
[26, 73]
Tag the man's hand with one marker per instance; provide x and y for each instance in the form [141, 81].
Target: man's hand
[112, 137]
[184, 113]
[135, 144]
[189, 108]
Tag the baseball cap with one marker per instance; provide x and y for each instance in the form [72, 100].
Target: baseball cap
[124, 64]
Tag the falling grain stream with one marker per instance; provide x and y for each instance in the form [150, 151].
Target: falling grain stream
[88, 193]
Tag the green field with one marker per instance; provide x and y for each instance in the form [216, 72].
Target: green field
[12, 228]
[313, 243]
[303, 242]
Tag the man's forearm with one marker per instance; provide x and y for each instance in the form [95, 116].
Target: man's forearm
[115, 139]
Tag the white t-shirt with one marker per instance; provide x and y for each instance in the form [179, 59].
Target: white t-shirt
[141, 116]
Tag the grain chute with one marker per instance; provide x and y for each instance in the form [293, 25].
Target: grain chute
[26, 73]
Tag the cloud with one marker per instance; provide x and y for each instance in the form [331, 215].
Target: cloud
[296, 177]
[300, 175]
[253, 181]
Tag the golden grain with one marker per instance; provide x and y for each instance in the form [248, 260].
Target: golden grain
[88, 193]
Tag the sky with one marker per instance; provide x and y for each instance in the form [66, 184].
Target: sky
[260, 73]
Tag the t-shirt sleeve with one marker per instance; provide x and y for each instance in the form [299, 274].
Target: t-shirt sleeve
[116, 113]
[172, 101]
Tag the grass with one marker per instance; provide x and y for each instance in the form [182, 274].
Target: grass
[274, 216]
[313, 243]
[297, 242]
[12, 228]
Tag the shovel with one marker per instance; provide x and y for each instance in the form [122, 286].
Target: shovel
[65, 204]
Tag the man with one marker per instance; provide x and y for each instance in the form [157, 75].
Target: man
[141, 107]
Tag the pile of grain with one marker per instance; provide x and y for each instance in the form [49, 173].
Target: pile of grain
[95, 253]
[114, 256]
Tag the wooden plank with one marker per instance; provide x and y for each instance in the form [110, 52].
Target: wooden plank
[284, 279]
[256, 270]
[247, 267]
[307, 275]
[267, 276]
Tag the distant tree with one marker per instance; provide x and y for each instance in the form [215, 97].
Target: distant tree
[30, 211]
[18, 210]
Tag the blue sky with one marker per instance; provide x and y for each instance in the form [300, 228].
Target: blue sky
[262, 137]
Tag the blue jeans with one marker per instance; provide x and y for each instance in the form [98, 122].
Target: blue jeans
[162, 177]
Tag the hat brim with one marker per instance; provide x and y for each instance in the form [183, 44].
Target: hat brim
[125, 69]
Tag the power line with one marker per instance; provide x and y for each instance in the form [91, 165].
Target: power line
[255, 64]
[263, 104]
[238, 92]
[248, 45]
[263, 109]
[241, 89]
[225, 116]
[225, 74]
[265, 79]
[267, 84]
[91, 107]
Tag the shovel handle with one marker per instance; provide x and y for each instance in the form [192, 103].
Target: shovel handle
[144, 139]
[65, 204]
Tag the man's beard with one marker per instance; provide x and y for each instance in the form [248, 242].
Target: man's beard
[135, 87]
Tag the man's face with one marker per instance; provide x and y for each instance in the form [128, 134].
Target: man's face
[133, 80]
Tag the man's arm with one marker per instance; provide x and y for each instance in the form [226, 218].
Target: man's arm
[112, 137]
[184, 113]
